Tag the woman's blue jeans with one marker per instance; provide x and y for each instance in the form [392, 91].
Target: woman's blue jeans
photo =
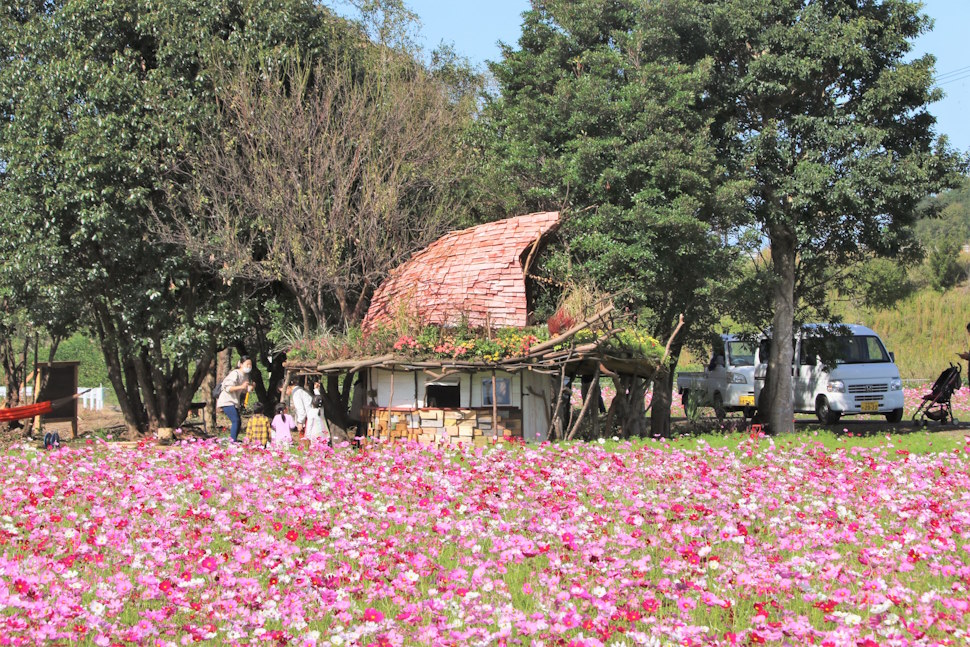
[233, 414]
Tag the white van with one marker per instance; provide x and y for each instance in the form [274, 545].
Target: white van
[840, 370]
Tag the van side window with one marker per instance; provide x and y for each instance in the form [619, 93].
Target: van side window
[812, 349]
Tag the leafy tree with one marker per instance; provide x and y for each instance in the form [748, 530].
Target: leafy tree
[881, 283]
[946, 215]
[34, 310]
[94, 97]
[323, 177]
[816, 108]
[943, 264]
[596, 116]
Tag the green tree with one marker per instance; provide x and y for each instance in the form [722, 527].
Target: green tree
[95, 98]
[323, 177]
[943, 264]
[946, 215]
[818, 110]
[597, 117]
[35, 311]
[880, 283]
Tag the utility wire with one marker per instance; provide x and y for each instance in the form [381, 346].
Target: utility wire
[953, 79]
[957, 72]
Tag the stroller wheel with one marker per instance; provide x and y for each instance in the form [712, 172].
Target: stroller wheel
[954, 421]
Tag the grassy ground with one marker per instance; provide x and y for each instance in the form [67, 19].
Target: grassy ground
[914, 441]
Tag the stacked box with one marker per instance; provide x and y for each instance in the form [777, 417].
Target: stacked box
[452, 426]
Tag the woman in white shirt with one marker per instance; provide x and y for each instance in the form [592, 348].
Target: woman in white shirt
[235, 383]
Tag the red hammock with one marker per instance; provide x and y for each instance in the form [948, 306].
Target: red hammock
[39, 409]
[28, 411]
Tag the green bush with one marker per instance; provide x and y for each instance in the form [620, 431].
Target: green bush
[944, 266]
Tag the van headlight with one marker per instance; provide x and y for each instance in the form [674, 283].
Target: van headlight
[836, 386]
[896, 385]
[736, 378]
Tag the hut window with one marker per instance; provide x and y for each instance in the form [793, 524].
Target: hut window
[443, 396]
[503, 391]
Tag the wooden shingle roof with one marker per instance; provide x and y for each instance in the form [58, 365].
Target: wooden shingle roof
[475, 273]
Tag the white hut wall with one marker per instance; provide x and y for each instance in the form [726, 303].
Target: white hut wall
[405, 414]
[398, 385]
[538, 397]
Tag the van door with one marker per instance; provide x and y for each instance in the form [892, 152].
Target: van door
[805, 376]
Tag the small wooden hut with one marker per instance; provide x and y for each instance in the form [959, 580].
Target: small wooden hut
[476, 279]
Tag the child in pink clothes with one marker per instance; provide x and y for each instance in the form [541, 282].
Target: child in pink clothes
[283, 426]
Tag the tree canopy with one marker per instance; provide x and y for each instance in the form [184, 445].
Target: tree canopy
[596, 114]
[817, 109]
[96, 96]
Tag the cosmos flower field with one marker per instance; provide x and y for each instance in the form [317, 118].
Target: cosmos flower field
[763, 542]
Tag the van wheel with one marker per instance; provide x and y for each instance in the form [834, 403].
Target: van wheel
[896, 415]
[825, 415]
[719, 411]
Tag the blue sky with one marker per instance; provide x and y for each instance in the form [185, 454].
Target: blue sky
[476, 27]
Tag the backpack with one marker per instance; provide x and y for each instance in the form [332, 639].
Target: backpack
[216, 392]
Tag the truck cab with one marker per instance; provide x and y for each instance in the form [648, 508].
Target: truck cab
[839, 370]
[727, 383]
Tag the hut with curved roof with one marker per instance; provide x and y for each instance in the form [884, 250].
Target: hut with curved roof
[476, 279]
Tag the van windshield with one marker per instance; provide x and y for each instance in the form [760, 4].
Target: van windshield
[741, 353]
[863, 349]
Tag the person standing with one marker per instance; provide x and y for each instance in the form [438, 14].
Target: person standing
[234, 384]
[316, 424]
[301, 402]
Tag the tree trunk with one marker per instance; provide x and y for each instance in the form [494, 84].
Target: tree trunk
[208, 385]
[116, 372]
[148, 393]
[336, 405]
[777, 395]
[630, 412]
[663, 394]
[184, 390]
[14, 377]
[660, 403]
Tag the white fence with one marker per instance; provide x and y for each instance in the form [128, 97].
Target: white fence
[93, 399]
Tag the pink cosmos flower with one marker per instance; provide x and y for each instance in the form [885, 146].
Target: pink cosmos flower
[372, 615]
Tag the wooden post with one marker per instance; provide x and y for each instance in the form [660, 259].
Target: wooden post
[582, 412]
[390, 407]
[37, 419]
[596, 393]
[494, 409]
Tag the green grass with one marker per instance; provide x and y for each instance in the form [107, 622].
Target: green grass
[915, 442]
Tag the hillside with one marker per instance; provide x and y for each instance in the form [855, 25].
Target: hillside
[924, 330]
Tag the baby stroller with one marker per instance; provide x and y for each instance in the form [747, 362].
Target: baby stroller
[936, 404]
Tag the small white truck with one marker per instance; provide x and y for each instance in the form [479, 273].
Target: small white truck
[727, 384]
